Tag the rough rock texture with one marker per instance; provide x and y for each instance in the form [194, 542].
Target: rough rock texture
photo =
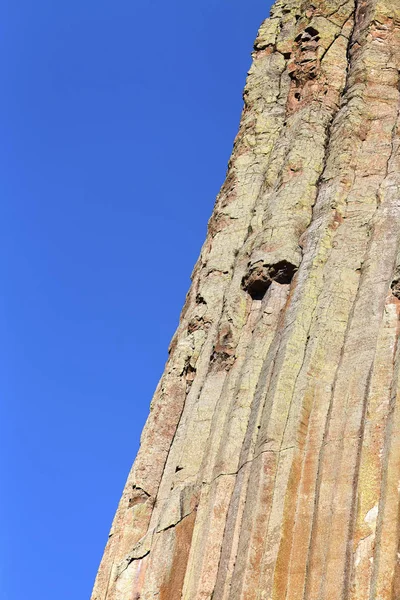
[269, 467]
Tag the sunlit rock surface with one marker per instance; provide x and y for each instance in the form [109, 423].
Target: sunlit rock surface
[269, 467]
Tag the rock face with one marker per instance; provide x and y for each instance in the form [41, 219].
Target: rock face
[269, 467]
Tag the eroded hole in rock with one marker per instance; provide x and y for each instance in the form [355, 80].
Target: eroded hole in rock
[256, 281]
[297, 95]
[282, 272]
[313, 72]
[308, 35]
[312, 32]
[395, 286]
[258, 288]
[260, 277]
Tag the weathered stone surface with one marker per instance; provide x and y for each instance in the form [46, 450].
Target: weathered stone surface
[269, 467]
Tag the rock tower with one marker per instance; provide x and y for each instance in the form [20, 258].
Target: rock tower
[269, 467]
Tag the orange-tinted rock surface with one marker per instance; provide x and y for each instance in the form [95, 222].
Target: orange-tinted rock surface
[269, 467]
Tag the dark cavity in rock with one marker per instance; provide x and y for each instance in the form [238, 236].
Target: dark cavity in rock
[396, 285]
[259, 278]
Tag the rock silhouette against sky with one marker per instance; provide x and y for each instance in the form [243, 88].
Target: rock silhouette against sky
[269, 467]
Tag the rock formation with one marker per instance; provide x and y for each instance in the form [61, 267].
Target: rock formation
[269, 467]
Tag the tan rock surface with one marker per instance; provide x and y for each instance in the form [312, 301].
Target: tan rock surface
[269, 467]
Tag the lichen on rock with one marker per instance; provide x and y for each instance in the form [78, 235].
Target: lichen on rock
[269, 466]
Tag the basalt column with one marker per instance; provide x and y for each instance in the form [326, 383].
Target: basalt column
[269, 467]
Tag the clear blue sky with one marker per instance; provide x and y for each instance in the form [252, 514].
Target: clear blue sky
[117, 123]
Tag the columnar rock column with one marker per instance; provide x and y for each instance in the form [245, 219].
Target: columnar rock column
[269, 467]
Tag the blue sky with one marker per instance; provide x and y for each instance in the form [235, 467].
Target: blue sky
[118, 121]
